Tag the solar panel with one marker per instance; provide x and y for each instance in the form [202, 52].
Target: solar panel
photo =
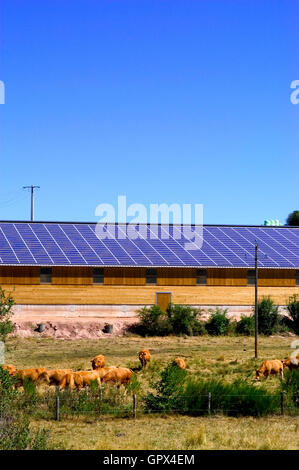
[77, 244]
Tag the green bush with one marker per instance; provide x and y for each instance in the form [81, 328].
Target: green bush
[177, 392]
[218, 323]
[6, 304]
[185, 320]
[290, 385]
[177, 320]
[269, 319]
[15, 433]
[153, 322]
[293, 310]
[246, 326]
[233, 399]
[169, 389]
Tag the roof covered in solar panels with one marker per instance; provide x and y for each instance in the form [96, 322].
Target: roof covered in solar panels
[78, 244]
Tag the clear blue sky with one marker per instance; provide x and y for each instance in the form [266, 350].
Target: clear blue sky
[164, 101]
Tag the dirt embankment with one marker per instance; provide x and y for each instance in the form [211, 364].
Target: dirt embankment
[72, 328]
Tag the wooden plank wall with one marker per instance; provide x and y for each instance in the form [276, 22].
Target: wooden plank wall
[176, 277]
[63, 275]
[124, 276]
[226, 277]
[144, 295]
[19, 275]
[136, 276]
[277, 277]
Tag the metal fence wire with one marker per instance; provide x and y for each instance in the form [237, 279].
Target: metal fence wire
[59, 405]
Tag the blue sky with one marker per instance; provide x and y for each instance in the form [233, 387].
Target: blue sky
[162, 101]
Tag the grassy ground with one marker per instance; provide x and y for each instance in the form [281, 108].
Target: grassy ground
[225, 357]
[175, 432]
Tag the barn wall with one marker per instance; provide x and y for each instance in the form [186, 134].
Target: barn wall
[74, 285]
[143, 295]
[277, 277]
[19, 275]
[62, 275]
[176, 277]
[226, 277]
[65, 275]
[124, 276]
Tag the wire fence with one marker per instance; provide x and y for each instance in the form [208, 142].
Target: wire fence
[61, 405]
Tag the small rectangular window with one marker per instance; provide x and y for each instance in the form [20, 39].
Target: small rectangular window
[251, 277]
[297, 277]
[151, 276]
[98, 275]
[45, 275]
[201, 277]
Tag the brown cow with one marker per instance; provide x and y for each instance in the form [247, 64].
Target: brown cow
[104, 370]
[291, 363]
[270, 367]
[32, 374]
[144, 357]
[79, 379]
[98, 362]
[11, 369]
[119, 376]
[54, 377]
[180, 363]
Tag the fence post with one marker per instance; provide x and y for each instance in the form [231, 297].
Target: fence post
[209, 403]
[134, 406]
[282, 403]
[57, 408]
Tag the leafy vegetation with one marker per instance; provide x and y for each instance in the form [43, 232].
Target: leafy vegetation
[15, 433]
[177, 320]
[169, 391]
[293, 218]
[290, 386]
[185, 320]
[176, 391]
[293, 310]
[218, 323]
[246, 326]
[6, 304]
[269, 319]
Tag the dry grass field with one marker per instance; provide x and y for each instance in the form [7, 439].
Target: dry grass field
[225, 357]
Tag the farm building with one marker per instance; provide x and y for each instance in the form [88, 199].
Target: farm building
[63, 269]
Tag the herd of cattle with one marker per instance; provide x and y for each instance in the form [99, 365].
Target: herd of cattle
[67, 378]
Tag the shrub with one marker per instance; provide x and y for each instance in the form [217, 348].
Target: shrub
[168, 390]
[290, 386]
[293, 310]
[6, 304]
[177, 392]
[178, 320]
[153, 322]
[218, 323]
[15, 433]
[293, 218]
[234, 399]
[246, 326]
[268, 317]
[185, 320]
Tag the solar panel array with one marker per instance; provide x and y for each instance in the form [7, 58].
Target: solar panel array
[77, 244]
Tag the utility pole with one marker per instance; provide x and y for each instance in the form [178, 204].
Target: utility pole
[256, 300]
[32, 187]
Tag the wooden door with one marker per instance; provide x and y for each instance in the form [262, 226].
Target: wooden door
[163, 299]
